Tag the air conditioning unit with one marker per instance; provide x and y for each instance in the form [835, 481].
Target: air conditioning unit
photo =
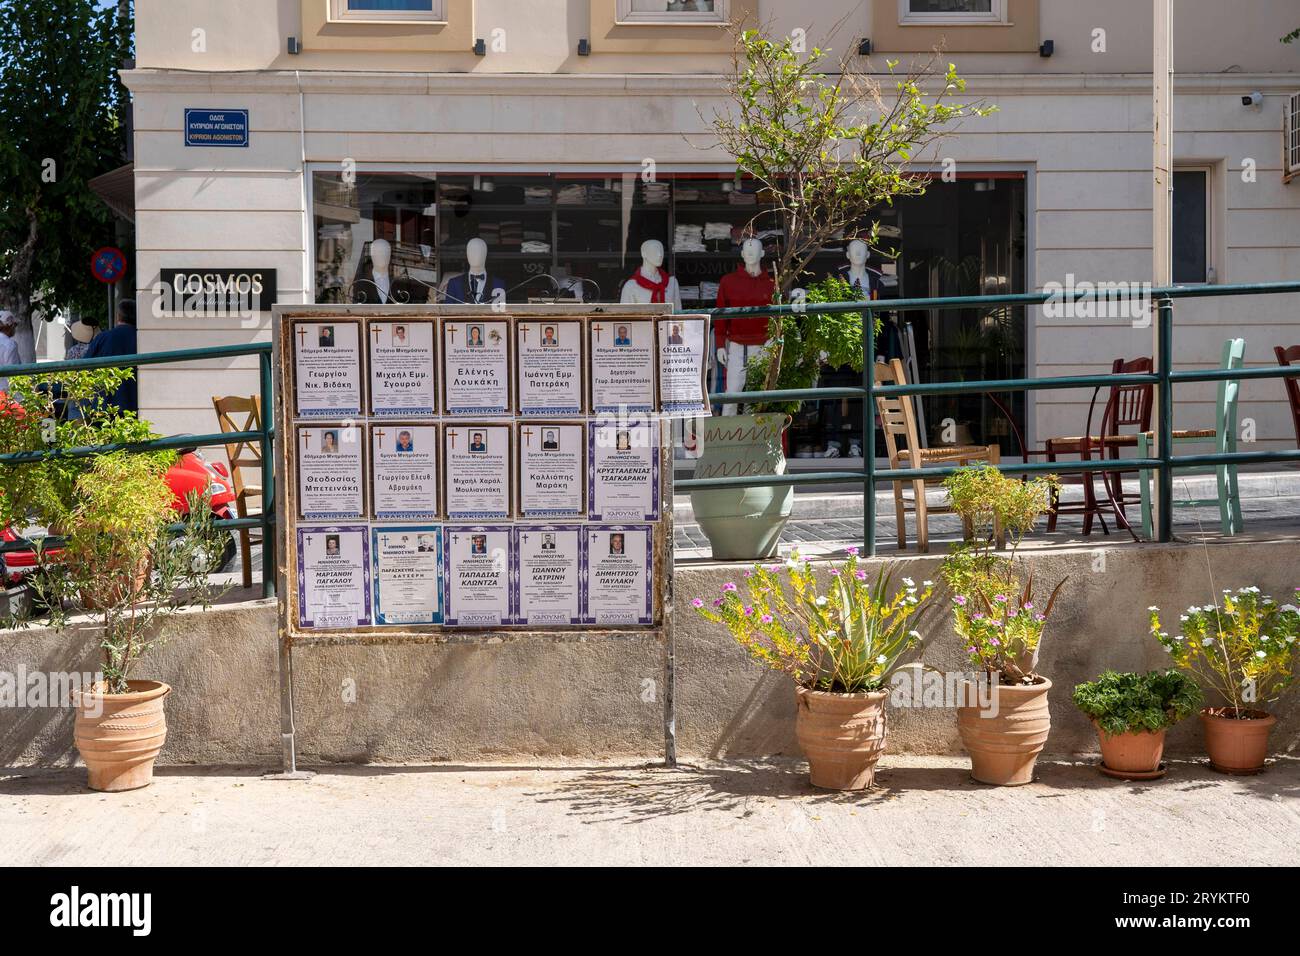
[1291, 138]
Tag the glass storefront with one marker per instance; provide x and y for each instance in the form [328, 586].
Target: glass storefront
[577, 237]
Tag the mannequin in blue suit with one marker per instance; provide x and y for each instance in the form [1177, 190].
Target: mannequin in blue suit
[475, 286]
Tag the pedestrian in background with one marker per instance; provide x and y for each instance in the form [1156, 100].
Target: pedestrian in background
[8, 347]
[119, 340]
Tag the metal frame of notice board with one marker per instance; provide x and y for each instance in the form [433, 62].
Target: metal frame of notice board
[291, 635]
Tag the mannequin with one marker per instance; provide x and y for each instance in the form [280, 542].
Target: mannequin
[857, 273]
[747, 287]
[475, 286]
[380, 287]
[650, 283]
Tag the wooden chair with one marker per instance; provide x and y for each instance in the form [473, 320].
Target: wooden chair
[1059, 445]
[235, 413]
[1289, 355]
[1128, 406]
[1224, 435]
[898, 419]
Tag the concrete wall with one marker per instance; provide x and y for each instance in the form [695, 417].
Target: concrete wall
[577, 699]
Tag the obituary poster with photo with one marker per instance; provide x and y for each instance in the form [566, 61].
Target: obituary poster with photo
[548, 587]
[333, 576]
[476, 366]
[622, 364]
[403, 471]
[620, 579]
[478, 568]
[330, 472]
[683, 367]
[478, 472]
[623, 470]
[327, 368]
[407, 574]
[549, 368]
[552, 474]
[402, 368]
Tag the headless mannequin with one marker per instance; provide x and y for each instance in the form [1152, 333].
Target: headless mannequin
[743, 293]
[651, 271]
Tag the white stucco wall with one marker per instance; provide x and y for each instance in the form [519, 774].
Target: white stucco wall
[1078, 121]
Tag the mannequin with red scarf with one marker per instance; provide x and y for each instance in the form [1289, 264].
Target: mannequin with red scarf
[747, 287]
[650, 283]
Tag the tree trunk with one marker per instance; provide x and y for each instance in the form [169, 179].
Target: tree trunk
[16, 289]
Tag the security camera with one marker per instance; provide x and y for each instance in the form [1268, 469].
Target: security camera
[1255, 99]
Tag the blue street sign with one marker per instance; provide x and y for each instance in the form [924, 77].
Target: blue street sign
[216, 127]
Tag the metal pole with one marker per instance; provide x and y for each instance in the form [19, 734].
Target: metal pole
[1165, 420]
[869, 434]
[268, 480]
[669, 637]
[1162, 133]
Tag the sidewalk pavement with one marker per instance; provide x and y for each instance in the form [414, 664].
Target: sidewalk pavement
[924, 811]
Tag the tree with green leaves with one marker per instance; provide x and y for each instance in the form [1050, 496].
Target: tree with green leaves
[828, 144]
[62, 123]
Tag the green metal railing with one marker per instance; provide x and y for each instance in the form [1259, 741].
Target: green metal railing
[264, 436]
[1163, 378]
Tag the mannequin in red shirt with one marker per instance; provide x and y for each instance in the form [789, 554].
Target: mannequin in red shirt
[748, 286]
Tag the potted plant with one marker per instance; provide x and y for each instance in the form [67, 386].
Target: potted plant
[1131, 713]
[839, 645]
[1000, 623]
[835, 145]
[121, 563]
[745, 523]
[1243, 649]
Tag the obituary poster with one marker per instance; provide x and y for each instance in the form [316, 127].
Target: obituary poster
[552, 474]
[478, 470]
[333, 576]
[623, 470]
[549, 368]
[476, 366]
[622, 364]
[548, 586]
[683, 389]
[403, 471]
[407, 574]
[330, 472]
[478, 568]
[402, 368]
[620, 562]
[327, 368]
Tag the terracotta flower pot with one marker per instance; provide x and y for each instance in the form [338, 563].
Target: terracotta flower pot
[120, 735]
[842, 735]
[1236, 744]
[1005, 741]
[1135, 752]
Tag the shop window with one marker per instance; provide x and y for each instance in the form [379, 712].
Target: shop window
[1191, 226]
[952, 11]
[370, 11]
[676, 12]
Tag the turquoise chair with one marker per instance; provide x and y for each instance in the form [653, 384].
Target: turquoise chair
[1224, 435]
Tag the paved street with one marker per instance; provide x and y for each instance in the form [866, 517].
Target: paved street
[925, 811]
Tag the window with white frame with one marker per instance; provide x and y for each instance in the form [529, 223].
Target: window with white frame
[386, 11]
[952, 11]
[673, 11]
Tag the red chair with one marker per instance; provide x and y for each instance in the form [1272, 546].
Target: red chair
[1128, 405]
[1289, 356]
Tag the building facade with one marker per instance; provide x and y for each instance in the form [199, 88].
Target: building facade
[277, 142]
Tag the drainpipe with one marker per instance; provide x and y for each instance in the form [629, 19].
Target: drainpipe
[302, 157]
[1162, 83]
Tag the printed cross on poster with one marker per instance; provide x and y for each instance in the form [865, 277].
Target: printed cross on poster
[451, 330]
[597, 329]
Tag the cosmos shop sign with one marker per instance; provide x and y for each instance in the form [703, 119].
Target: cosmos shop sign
[216, 292]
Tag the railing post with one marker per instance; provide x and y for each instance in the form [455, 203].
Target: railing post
[268, 477]
[1165, 421]
[869, 433]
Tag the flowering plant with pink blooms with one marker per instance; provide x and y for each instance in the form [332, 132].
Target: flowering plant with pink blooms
[847, 638]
